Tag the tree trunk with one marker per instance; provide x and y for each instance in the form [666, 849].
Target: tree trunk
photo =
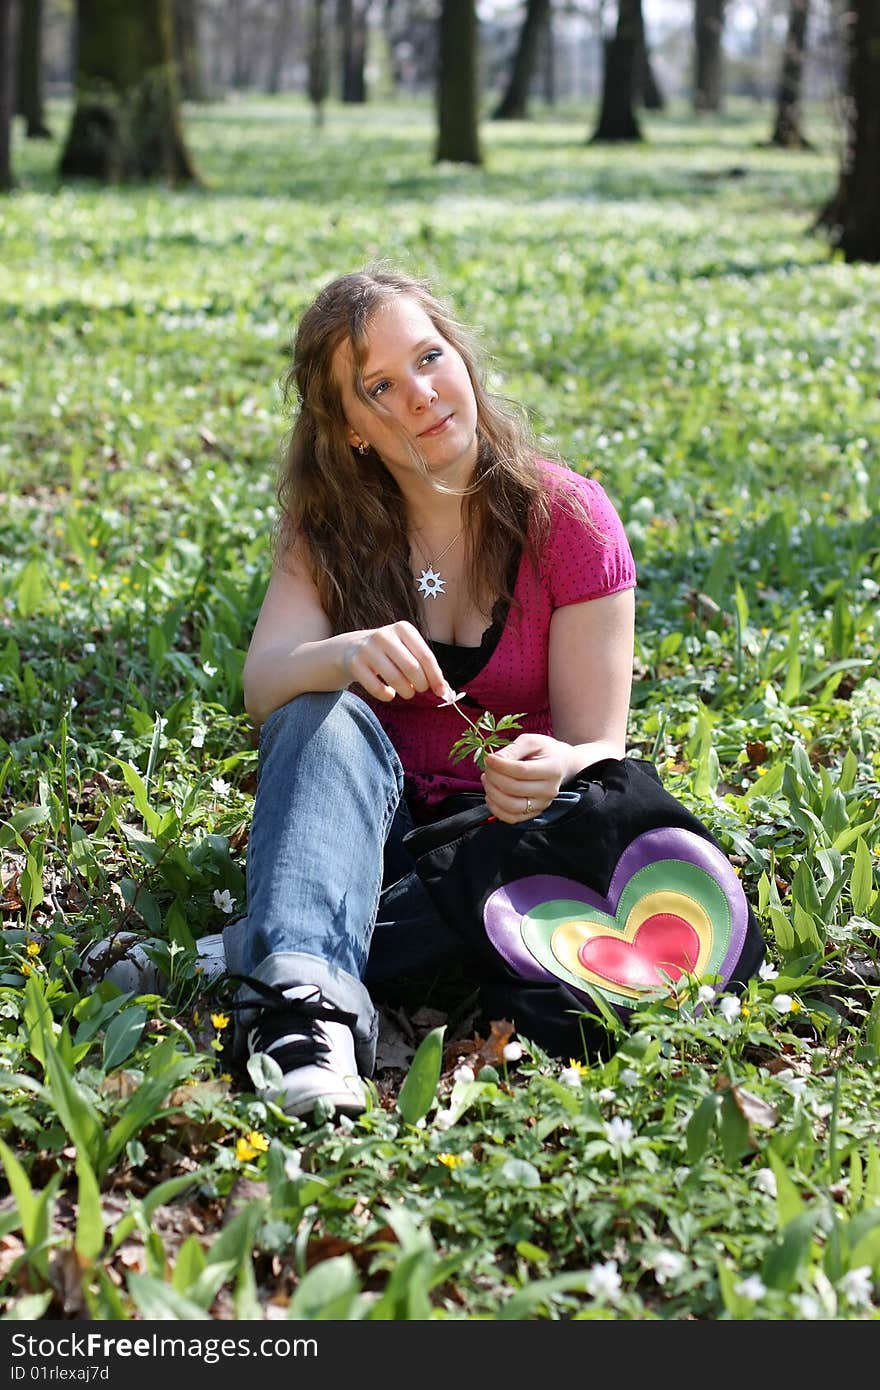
[853, 216]
[318, 65]
[457, 97]
[279, 46]
[126, 122]
[351, 20]
[788, 130]
[30, 69]
[708, 27]
[186, 49]
[513, 105]
[6, 101]
[648, 93]
[617, 116]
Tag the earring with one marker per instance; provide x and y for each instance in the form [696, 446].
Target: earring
[363, 447]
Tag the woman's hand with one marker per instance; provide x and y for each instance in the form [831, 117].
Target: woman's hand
[392, 660]
[522, 779]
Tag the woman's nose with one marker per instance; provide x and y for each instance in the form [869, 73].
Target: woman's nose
[422, 394]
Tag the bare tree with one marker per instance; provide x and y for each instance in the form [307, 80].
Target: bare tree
[280, 44]
[457, 94]
[513, 105]
[126, 121]
[617, 114]
[186, 49]
[788, 130]
[853, 215]
[30, 69]
[6, 102]
[351, 22]
[708, 29]
[319, 80]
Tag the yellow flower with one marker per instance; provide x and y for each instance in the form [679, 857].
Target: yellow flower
[33, 948]
[450, 1160]
[244, 1151]
[220, 1021]
[796, 1006]
[258, 1141]
[93, 541]
[26, 968]
[63, 584]
[577, 1066]
[125, 579]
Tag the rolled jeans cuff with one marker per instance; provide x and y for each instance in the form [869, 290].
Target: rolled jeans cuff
[338, 987]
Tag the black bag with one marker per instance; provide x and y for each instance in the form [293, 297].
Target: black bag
[616, 891]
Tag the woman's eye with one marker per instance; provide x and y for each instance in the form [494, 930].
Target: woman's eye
[432, 355]
[377, 390]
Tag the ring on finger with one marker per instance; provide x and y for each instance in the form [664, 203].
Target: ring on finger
[529, 807]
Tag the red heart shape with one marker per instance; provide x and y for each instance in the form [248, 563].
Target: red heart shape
[665, 946]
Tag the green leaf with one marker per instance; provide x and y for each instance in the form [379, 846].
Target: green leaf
[151, 818]
[700, 1126]
[123, 1035]
[31, 589]
[538, 1293]
[189, 1264]
[20, 1187]
[736, 1139]
[89, 1239]
[420, 1083]
[328, 1293]
[788, 1254]
[30, 1308]
[159, 1302]
[789, 1203]
[861, 883]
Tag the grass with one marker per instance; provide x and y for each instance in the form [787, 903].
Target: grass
[672, 327]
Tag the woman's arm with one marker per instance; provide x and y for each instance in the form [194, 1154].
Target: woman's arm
[590, 679]
[293, 650]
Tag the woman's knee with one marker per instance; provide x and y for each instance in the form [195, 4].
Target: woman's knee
[336, 724]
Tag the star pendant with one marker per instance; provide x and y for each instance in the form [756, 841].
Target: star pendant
[430, 583]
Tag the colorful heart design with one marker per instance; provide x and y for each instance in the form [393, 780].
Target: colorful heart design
[674, 909]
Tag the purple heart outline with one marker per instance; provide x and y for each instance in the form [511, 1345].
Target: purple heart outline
[506, 907]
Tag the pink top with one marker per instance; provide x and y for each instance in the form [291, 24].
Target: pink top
[576, 564]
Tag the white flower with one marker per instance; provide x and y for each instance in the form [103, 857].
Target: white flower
[629, 1076]
[857, 1285]
[705, 994]
[116, 735]
[807, 1305]
[513, 1052]
[618, 1132]
[219, 787]
[606, 1093]
[570, 1076]
[224, 900]
[667, 1264]
[293, 1165]
[208, 669]
[463, 1074]
[89, 648]
[768, 971]
[729, 1008]
[796, 1084]
[782, 1003]
[198, 738]
[452, 697]
[604, 1281]
[444, 1119]
[752, 1288]
[765, 1181]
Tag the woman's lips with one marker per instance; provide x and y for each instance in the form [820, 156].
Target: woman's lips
[435, 429]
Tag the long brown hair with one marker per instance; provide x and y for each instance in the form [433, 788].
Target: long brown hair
[347, 508]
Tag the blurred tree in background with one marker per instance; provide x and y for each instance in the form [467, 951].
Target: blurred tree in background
[126, 118]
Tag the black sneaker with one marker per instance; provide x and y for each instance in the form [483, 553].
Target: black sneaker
[313, 1044]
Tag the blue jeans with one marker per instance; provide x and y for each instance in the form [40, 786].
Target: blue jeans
[332, 896]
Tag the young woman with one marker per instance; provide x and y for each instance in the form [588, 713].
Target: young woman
[426, 548]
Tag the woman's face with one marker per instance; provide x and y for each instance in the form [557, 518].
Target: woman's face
[419, 385]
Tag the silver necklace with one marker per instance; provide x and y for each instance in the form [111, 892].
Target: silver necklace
[431, 582]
